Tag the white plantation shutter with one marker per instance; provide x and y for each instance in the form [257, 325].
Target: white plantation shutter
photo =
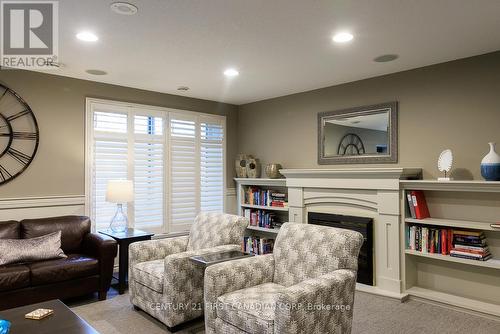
[110, 160]
[175, 158]
[149, 173]
[212, 166]
[184, 166]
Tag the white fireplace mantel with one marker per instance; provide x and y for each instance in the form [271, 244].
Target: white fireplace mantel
[364, 192]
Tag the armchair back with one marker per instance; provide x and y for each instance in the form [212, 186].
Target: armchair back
[304, 251]
[216, 229]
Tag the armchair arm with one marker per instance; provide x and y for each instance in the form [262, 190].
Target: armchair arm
[149, 250]
[103, 248]
[320, 305]
[183, 283]
[234, 275]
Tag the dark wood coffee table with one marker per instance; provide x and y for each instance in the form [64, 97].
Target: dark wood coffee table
[62, 321]
[124, 239]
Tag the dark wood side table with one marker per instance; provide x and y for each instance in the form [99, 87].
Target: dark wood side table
[124, 239]
[214, 258]
[62, 321]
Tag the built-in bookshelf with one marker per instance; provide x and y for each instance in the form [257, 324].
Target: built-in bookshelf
[472, 207]
[265, 203]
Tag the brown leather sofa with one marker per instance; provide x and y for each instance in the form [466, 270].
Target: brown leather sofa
[87, 269]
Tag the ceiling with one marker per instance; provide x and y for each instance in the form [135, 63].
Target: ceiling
[377, 121]
[279, 46]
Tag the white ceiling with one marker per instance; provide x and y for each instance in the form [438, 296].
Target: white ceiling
[279, 46]
[378, 121]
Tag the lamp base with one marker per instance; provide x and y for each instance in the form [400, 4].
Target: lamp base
[119, 222]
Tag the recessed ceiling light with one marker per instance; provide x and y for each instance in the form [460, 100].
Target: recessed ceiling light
[87, 36]
[123, 8]
[342, 37]
[385, 58]
[96, 72]
[231, 72]
[183, 88]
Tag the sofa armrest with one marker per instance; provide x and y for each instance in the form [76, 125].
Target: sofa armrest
[234, 275]
[321, 305]
[104, 248]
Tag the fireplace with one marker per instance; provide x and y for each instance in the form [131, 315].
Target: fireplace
[362, 225]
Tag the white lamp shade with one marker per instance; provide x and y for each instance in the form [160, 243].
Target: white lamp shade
[120, 191]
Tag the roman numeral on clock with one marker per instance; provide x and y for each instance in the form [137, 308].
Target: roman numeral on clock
[19, 156]
[21, 135]
[19, 114]
[4, 174]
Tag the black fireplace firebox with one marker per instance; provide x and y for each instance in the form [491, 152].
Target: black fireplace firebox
[362, 225]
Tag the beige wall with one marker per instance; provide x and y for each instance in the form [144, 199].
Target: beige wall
[453, 105]
[59, 106]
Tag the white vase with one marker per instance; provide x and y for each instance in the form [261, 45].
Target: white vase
[490, 165]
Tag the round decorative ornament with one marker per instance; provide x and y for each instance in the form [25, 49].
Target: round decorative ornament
[445, 162]
[253, 168]
[490, 165]
[273, 171]
[19, 135]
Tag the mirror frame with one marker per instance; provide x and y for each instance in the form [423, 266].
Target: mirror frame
[391, 157]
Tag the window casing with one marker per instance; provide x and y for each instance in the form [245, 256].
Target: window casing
[176, 159]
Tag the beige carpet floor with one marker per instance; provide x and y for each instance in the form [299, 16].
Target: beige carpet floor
[372, 314]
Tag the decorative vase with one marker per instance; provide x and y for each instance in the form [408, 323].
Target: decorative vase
[240, 165]
[490, 165]
[273, 171]
[253, 168]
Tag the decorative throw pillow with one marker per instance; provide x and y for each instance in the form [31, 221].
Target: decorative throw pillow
[35, 249]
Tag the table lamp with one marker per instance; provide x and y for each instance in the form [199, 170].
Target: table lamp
[119, 192]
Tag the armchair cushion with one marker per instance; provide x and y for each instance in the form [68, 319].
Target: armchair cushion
[216, 229]
[150, 274]
[251, 310]
[226, 277]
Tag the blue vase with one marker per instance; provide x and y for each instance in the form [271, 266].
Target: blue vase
[490, 165]
[4, 327]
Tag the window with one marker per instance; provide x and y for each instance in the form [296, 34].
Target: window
[175, 158]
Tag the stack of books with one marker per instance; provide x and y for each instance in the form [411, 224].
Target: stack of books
[446, 241]
[262, 218]
[257, 246]
[417, 204]
[470, 245]
[265, 197]
[278, 199]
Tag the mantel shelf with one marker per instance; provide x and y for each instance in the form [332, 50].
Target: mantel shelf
[475, 225]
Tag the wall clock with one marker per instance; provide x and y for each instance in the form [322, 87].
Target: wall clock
[19, 135]
[351, 144]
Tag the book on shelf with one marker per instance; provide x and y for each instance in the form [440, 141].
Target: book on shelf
[262, 218]
[418, 205]
[447, 241]
[257, 246]
[265, 197]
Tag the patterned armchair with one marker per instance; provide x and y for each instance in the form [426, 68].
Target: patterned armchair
[306, 286]
[164, 282]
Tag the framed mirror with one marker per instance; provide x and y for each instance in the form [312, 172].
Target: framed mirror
[364, 135]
